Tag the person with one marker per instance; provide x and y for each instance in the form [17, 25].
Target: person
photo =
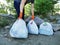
[19, 6]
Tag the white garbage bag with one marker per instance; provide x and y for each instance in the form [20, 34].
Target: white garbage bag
[46, 29]
[32, 27]
[19, 29]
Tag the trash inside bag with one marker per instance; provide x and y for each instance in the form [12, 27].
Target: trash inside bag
[46, 29]
[32, 27]
[19, 29]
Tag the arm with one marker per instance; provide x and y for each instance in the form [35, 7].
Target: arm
[32, 9]
[21, 7]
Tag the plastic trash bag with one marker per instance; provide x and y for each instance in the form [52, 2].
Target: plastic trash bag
[19, 29]
[46, 29]
[32, 27]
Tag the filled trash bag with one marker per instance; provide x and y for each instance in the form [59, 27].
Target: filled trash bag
[46, 29]
[32, 27]
[19, 29]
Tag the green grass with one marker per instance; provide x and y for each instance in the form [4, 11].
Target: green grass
[4, 21]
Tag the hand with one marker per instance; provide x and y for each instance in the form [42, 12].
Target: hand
[32, 17]
[20, 15]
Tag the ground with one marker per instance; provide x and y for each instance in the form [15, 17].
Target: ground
[6, 39]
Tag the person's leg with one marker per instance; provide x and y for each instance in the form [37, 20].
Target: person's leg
[17, 7]
[23, 13]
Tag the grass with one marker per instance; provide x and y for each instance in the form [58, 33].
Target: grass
[4, 21]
